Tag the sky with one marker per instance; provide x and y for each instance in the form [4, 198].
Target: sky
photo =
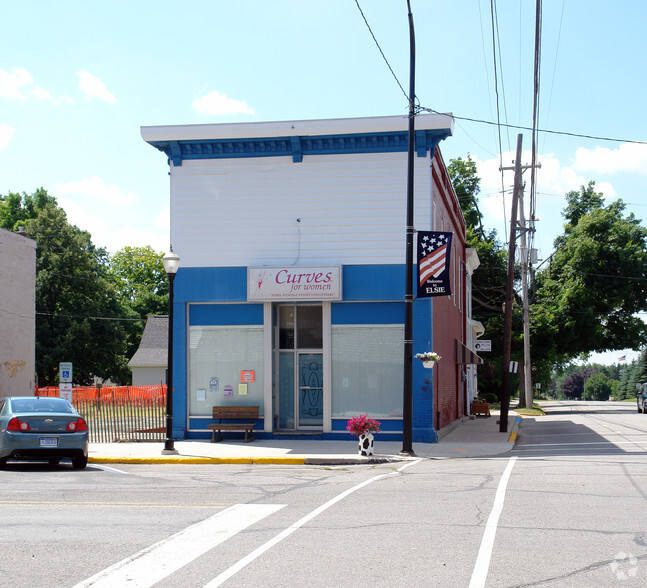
[79, 79]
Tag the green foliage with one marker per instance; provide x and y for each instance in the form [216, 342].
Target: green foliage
[623, 385]
[489, 278]
[488, 397]
[586, 300]
[599, 387]
[467, 186]
[138, 271]
[74, 303]
[79, 315]
[142, 286]
[16, 209]
[588, 297]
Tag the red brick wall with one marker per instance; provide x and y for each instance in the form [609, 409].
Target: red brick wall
[448, 311]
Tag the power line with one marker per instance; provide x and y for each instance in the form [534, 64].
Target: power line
[380, 49]
[96, 318]
[549, 131]
[498, 111]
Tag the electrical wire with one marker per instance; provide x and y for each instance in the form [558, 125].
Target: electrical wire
[552, 84]
[535, 117]
[380, 49]
[522, 128]
[498, 112]
[96, 318]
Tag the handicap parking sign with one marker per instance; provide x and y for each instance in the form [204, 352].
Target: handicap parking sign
[65, 372]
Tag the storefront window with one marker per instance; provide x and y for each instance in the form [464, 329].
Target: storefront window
[367, 371]
[217, 357]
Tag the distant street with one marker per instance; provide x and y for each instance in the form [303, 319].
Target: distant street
[567, 507]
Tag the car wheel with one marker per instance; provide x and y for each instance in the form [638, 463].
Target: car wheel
[3, 463]
[79, 463]
[54, 461]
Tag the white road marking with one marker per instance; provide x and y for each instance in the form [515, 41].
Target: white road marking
[482, 565]
[158, 561]
[229, 572]
[573, 444]
[108, 469]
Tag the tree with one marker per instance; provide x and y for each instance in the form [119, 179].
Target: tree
[16, 209]
[467, 186]
[489, 278]
[142, 285]
[573, 385]
[79, 317]
[623, 385]
[588, 298]
[599, 387]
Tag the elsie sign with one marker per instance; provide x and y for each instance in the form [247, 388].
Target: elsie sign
[294, 283]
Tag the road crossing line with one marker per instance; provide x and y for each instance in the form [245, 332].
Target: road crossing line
[482, 565]
[229, 572]
[149, 566]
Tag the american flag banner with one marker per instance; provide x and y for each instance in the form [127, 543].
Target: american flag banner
[434, 253]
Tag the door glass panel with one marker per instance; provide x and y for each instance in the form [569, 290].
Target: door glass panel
[286, 390]
[286, 327]
[310, 389]
[309, 327]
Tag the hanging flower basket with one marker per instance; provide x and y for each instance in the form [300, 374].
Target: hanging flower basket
[428, 358]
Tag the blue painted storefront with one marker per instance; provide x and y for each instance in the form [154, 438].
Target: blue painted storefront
[378, 305]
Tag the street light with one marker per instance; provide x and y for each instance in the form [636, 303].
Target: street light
[171, 263]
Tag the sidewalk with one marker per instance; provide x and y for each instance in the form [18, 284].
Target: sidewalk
[479, 437]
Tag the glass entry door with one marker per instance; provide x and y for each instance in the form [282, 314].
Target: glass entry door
[300, 366]
[310, 390]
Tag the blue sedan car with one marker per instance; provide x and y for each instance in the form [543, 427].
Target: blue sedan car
[42, 428]
[641, 399]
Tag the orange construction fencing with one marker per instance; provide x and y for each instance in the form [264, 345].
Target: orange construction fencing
[119, 413]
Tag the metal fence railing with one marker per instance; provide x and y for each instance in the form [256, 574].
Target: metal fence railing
[119, 414]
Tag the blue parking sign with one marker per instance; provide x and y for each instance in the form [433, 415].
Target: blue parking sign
[65, 372]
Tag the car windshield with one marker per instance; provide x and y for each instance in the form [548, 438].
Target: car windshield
[39, 404]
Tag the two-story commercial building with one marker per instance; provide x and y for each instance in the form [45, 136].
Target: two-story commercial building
[290, 292]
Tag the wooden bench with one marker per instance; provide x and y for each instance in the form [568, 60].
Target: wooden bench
[230, 413]
[481, 408]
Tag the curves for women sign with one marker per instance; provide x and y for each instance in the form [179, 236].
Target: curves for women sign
[434, 256]
[294, 283]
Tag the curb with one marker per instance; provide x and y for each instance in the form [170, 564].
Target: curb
[200, 460]
[513, 434]
[320, 461]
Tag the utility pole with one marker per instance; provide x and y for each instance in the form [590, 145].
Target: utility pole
[507, 320]
[523, 259]
[517, 205]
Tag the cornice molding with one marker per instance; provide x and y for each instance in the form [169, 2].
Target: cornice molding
[299, 147]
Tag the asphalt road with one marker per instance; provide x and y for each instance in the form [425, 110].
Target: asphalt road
[568, 507]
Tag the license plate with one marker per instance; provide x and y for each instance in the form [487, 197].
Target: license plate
[48, 441]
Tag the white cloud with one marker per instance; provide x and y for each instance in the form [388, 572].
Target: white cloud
[554, 181]
[108, 230]
[217, 103]
[41, 94]
[93, 87]
[11, 83]
[5, 135]
[163, 219]
[628, 157]
[95, 187]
